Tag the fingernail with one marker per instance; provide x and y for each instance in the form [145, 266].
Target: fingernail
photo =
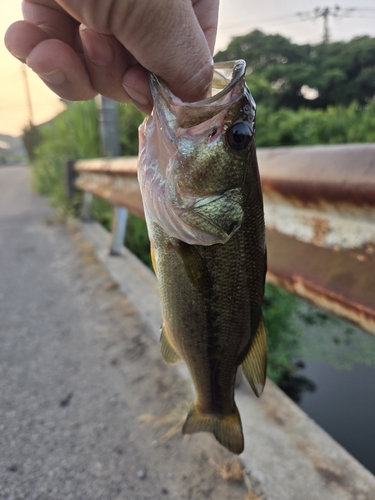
[141, 99]
[55, 77]
[19, 56]
[98, 48]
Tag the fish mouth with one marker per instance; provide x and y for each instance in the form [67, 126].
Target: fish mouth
[227, 87]
[226, 76]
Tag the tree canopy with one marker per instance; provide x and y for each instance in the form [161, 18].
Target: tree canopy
[285, 74]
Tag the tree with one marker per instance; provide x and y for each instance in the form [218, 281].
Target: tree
[279, 70]
[31, 138]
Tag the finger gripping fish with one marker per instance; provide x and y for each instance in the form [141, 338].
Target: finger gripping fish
[200, 185]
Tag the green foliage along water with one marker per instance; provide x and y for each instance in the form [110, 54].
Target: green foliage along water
[282, 337]
[343, 77]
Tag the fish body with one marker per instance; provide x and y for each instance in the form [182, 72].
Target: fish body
[202, 197]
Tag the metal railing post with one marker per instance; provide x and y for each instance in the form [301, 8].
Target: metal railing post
[120, 217]
[86, 207]
[70, 177]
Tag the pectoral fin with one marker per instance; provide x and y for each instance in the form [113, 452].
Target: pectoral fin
[153, 258]
[195, 266]
[254, 366]
[168, 352]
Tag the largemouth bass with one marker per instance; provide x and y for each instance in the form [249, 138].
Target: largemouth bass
[199, 180]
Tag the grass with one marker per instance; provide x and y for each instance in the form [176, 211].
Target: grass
[174, 421]
[233, 471]
[230, 470]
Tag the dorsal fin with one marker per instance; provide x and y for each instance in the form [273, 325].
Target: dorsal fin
[168, 352]
[254, 366]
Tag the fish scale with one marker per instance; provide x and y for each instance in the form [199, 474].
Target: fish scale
[203, 204]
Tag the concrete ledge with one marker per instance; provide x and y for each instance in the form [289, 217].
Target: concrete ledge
[291, 455]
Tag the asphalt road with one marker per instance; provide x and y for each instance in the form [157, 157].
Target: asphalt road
[88, 410]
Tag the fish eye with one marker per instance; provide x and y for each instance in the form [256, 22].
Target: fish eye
[239, 136]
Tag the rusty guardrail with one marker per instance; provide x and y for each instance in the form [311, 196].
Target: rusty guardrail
[320, 218]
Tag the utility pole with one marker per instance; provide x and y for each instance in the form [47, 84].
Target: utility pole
[110, 134]
[28, 95]
[325, 13]
[109, 127]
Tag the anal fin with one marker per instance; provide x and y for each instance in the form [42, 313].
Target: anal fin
[168, 352]
[254, 366]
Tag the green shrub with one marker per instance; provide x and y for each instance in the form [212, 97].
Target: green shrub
[137, 239]
[282, 337]
[31, 138]
[73, 134]
[102, 212]
[335, 125]
[129, 120]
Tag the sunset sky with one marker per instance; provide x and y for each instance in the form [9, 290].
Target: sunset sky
[237, 17]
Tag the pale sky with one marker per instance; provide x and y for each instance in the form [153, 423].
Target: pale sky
[237, 17]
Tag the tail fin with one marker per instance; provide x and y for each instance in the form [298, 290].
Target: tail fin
[227, 429]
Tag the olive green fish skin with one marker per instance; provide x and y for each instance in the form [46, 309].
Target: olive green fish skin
[202, 195]
[212, 328]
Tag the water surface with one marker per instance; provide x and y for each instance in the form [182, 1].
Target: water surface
[335, 380]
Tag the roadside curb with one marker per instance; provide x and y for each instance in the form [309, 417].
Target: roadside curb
[291, 455]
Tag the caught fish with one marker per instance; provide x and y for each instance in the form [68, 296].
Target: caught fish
[201, 191]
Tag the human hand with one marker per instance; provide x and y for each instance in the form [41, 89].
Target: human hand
[80, 48]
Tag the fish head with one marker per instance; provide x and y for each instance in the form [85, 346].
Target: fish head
[194, 158]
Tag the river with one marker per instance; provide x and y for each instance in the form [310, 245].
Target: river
[335, 380]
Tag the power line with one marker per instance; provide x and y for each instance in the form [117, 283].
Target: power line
[365, 8]
[337, 12]
[252, 24]
[44, 104]
[361, 17]
[257, 21]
